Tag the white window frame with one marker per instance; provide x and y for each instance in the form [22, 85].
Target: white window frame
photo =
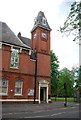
[2, 86]
[15, 52]
[18, 87]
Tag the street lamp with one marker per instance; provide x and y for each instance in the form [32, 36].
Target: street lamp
[35, 52]
[65, 90]
[34, 58]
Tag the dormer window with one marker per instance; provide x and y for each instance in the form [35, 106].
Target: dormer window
[35, 21]
[44, 21]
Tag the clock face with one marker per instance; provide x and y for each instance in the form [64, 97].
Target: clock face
[43, 35]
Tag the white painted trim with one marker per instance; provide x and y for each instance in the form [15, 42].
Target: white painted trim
[17, 100]
[30, 52]
[20, 100]
[15, 46]
[39, 94]
[44, 83]
[47, 95]
[33, 60]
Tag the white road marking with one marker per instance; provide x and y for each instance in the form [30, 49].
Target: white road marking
[37, 116]
[58, 113]
[49, 115]
[35, 111]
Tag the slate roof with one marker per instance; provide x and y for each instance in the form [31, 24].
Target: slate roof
[25, 40]
[8, 36]
[39, 21]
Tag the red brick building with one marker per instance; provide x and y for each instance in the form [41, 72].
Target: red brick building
[19, 78]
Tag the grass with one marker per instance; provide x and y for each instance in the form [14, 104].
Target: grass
[62, 99]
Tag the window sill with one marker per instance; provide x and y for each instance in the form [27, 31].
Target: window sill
[3, 94]
[17, 95]
[14, 68]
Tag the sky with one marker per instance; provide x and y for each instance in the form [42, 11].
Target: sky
[19, 15]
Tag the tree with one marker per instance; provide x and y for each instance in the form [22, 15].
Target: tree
[80, 81]
[65, 78]
[54, 73]
[75, 74]
[72, 25]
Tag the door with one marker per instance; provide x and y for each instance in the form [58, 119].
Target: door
[43, 94]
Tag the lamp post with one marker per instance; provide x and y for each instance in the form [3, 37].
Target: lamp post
[35, 52]
[33, 56]
[65, 90]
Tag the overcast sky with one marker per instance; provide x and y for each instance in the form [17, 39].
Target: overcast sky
[20, 14]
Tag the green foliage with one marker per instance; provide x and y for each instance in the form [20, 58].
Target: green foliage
[73, 21]
[58, 78]
[77, 78]
[80, 79]
[63, 99]
[65, 76]
[54, 73]
[75, 74]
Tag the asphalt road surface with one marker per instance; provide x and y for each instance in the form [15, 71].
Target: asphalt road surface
[51, 110]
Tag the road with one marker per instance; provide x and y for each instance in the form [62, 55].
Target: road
[51, 110]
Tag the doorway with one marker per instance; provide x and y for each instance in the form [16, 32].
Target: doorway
[43, 91]
[43, 94]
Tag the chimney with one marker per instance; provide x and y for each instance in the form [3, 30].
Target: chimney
[19, 35]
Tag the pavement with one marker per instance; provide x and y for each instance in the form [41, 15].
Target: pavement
[17, 107]
[56, 109]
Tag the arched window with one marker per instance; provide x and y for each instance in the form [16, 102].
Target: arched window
[14, 58]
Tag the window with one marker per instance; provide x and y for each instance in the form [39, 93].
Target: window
[44, 21]
[18, 87]
[14, 58]
[35, 35]
[3, 87]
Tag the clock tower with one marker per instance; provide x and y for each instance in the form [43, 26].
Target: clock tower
[40, 40]
[40, 34]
